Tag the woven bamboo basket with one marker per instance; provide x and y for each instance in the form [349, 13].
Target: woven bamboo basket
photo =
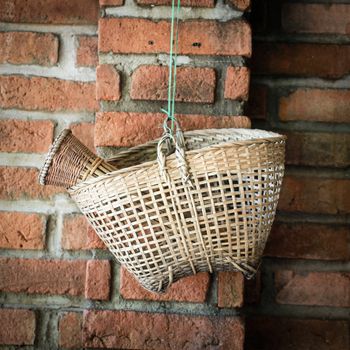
[168, 213]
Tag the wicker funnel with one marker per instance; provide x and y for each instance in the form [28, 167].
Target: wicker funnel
[70, 162]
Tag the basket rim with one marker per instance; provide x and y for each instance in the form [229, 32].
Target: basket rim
[278, 137]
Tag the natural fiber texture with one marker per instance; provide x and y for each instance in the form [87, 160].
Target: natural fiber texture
[164, 230]
[69, 162]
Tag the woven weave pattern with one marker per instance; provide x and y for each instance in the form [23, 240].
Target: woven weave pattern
[162, 231]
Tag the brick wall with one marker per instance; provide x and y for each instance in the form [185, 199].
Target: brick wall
[59, 286]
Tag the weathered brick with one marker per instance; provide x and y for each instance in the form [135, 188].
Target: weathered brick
[318, 105]
[240, 4]
[17, 327]
[257, 103]
[19, 183]
[111, 2]
[85, 133]
[237, 83]
[71, 330]
[192, 84]
[87, 51]
[98, 279]
[315, 195]
[28, 48]
[195, 37]
[111, 329]
[22, 230]
[49, 11]
[308, 241]
[318, 149]
[29, 136]
[191, 3]
[301, 59]
[78, 234]
[313, 288]
[230, 289]
[107, 83]
[50, 94]
[316, 18]
[130, 129]
[267, 333]
[189, 289]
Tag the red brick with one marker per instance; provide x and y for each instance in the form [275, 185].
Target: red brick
[17, 327]
[315, 195]
[98, 279]
[192, 84]
[71, 330]
[87, 51]
[19, 183]
[317, 105]
[318, 149]
[252, 289]
[129, 129]
[191, 3]
[267, 333]
[22, 230]
[138, 330]
[85, 133]
[189, 289]
[316, 18]
[49, 11]
[308, 241]
[257, 102]
[107, 83]
[313, 288]
[28, 48]
[78, 234]
[48, 94]
[29, 136]
[111, 2]
[230, 289]
[301, 59]
[237, 83]
[240, 4]
[195, 37]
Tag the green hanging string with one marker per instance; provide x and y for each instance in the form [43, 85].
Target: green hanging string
[170, 112]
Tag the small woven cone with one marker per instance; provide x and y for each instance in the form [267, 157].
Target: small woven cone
[70, 162]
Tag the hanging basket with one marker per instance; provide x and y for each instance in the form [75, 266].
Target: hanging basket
[204, 200]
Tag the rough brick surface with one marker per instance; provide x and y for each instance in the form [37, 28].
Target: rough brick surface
[313, 288]
[240, 4]
[309, 241]
[230, 289]
[195, 37]
[28, 136]
[315, 195]
[189, 289]
[78, 234]
[85, 133]
[70, 330]
[49, 94]
[28, 48]
[191, 3]
[22, 230]
[87, 51]
[277, 333]
[98, 279]
[112, 329]
[309, 60]
[192, 84]
[237, 83]
[316, 18]
[20, 183]
[319, 105]
[318, 149]
[111, 2]
[17, 327]
[49, 11]
[257, 103]
[108, 86]
[129, 129]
